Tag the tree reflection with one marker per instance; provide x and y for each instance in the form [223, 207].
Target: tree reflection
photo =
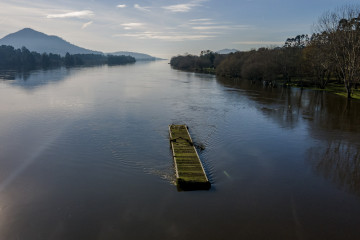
[331, 112]
[34, 79]
[288, 106]
[331, 119]
[7, 74]
[339, 162]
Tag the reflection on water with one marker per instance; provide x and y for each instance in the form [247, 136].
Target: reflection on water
[339, 162]
[289, 106]
[332, 119]
[85, 154]
[33, 79]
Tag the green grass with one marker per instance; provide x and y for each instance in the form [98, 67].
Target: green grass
[209, 70]
[340, 90]
[332, 87]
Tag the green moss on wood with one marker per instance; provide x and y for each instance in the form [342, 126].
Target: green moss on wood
[190, 173]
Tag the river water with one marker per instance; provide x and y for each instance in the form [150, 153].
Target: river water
[84, 154]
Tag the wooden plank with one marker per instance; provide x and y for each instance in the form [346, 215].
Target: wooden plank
[190, 173]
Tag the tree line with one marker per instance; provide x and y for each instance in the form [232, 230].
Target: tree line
[331, 53]
[11, 58]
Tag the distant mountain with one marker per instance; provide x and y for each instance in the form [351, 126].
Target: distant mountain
[137, 56]
[40, 42]
[227, 51]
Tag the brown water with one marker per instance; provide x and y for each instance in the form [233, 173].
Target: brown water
[84, 154]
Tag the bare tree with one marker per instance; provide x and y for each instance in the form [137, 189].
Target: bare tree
[341, 29]
[317, 57]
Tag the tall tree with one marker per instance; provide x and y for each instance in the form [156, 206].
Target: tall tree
[317, 59]
[342, 31]
[69, 60]
[291, 56]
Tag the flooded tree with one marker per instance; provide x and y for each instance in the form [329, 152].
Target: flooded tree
[290, 56]
[341, 32]
[206, 62]
[317, 60]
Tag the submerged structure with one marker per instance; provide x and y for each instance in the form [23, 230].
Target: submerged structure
[190, 173]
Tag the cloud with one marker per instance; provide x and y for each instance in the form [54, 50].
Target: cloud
[85, 25]
[144, 9]
[180, 7]
[259, 43]
[168, 36]
[210, 27]
[78, 14]
[221, 27]
[121, 6]
[201, 20]
[129, 26]
[135, 24]
[185, 7]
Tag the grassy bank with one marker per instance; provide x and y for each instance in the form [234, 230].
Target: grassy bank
[332, 87]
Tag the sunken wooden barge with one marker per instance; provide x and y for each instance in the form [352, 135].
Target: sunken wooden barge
[190, 173]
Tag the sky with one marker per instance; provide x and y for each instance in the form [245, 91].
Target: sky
[166, 28]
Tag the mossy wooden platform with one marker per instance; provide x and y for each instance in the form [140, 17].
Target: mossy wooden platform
[190, 173]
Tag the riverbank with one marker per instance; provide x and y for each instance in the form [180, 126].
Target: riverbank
[271, 65]
[332, 87]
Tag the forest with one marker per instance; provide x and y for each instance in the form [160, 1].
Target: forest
[11, 58]
[328, 59]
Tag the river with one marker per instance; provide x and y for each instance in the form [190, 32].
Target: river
[85, 154]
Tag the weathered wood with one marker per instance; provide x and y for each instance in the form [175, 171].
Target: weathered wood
[190, 173]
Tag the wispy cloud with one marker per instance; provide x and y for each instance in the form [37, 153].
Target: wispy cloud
[144, 9]
[78, 14]
[201, 20]
[184, 7]
[221, 27]
[129, 26]
[259, 43]
[168, 36]
[180, 7]
[85, 25]
[121, 6]
[210, 27]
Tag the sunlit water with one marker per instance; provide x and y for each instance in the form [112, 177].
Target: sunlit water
[84, 154]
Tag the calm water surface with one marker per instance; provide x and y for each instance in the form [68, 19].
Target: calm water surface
[84, 154]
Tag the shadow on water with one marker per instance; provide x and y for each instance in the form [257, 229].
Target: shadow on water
[331, 120]
[34, 79]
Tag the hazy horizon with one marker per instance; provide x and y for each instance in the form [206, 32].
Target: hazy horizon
[164, 29]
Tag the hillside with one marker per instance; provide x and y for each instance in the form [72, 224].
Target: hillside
[40, 42]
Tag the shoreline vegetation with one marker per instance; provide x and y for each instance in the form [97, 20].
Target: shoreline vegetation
[23, 59]
[328, 60]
